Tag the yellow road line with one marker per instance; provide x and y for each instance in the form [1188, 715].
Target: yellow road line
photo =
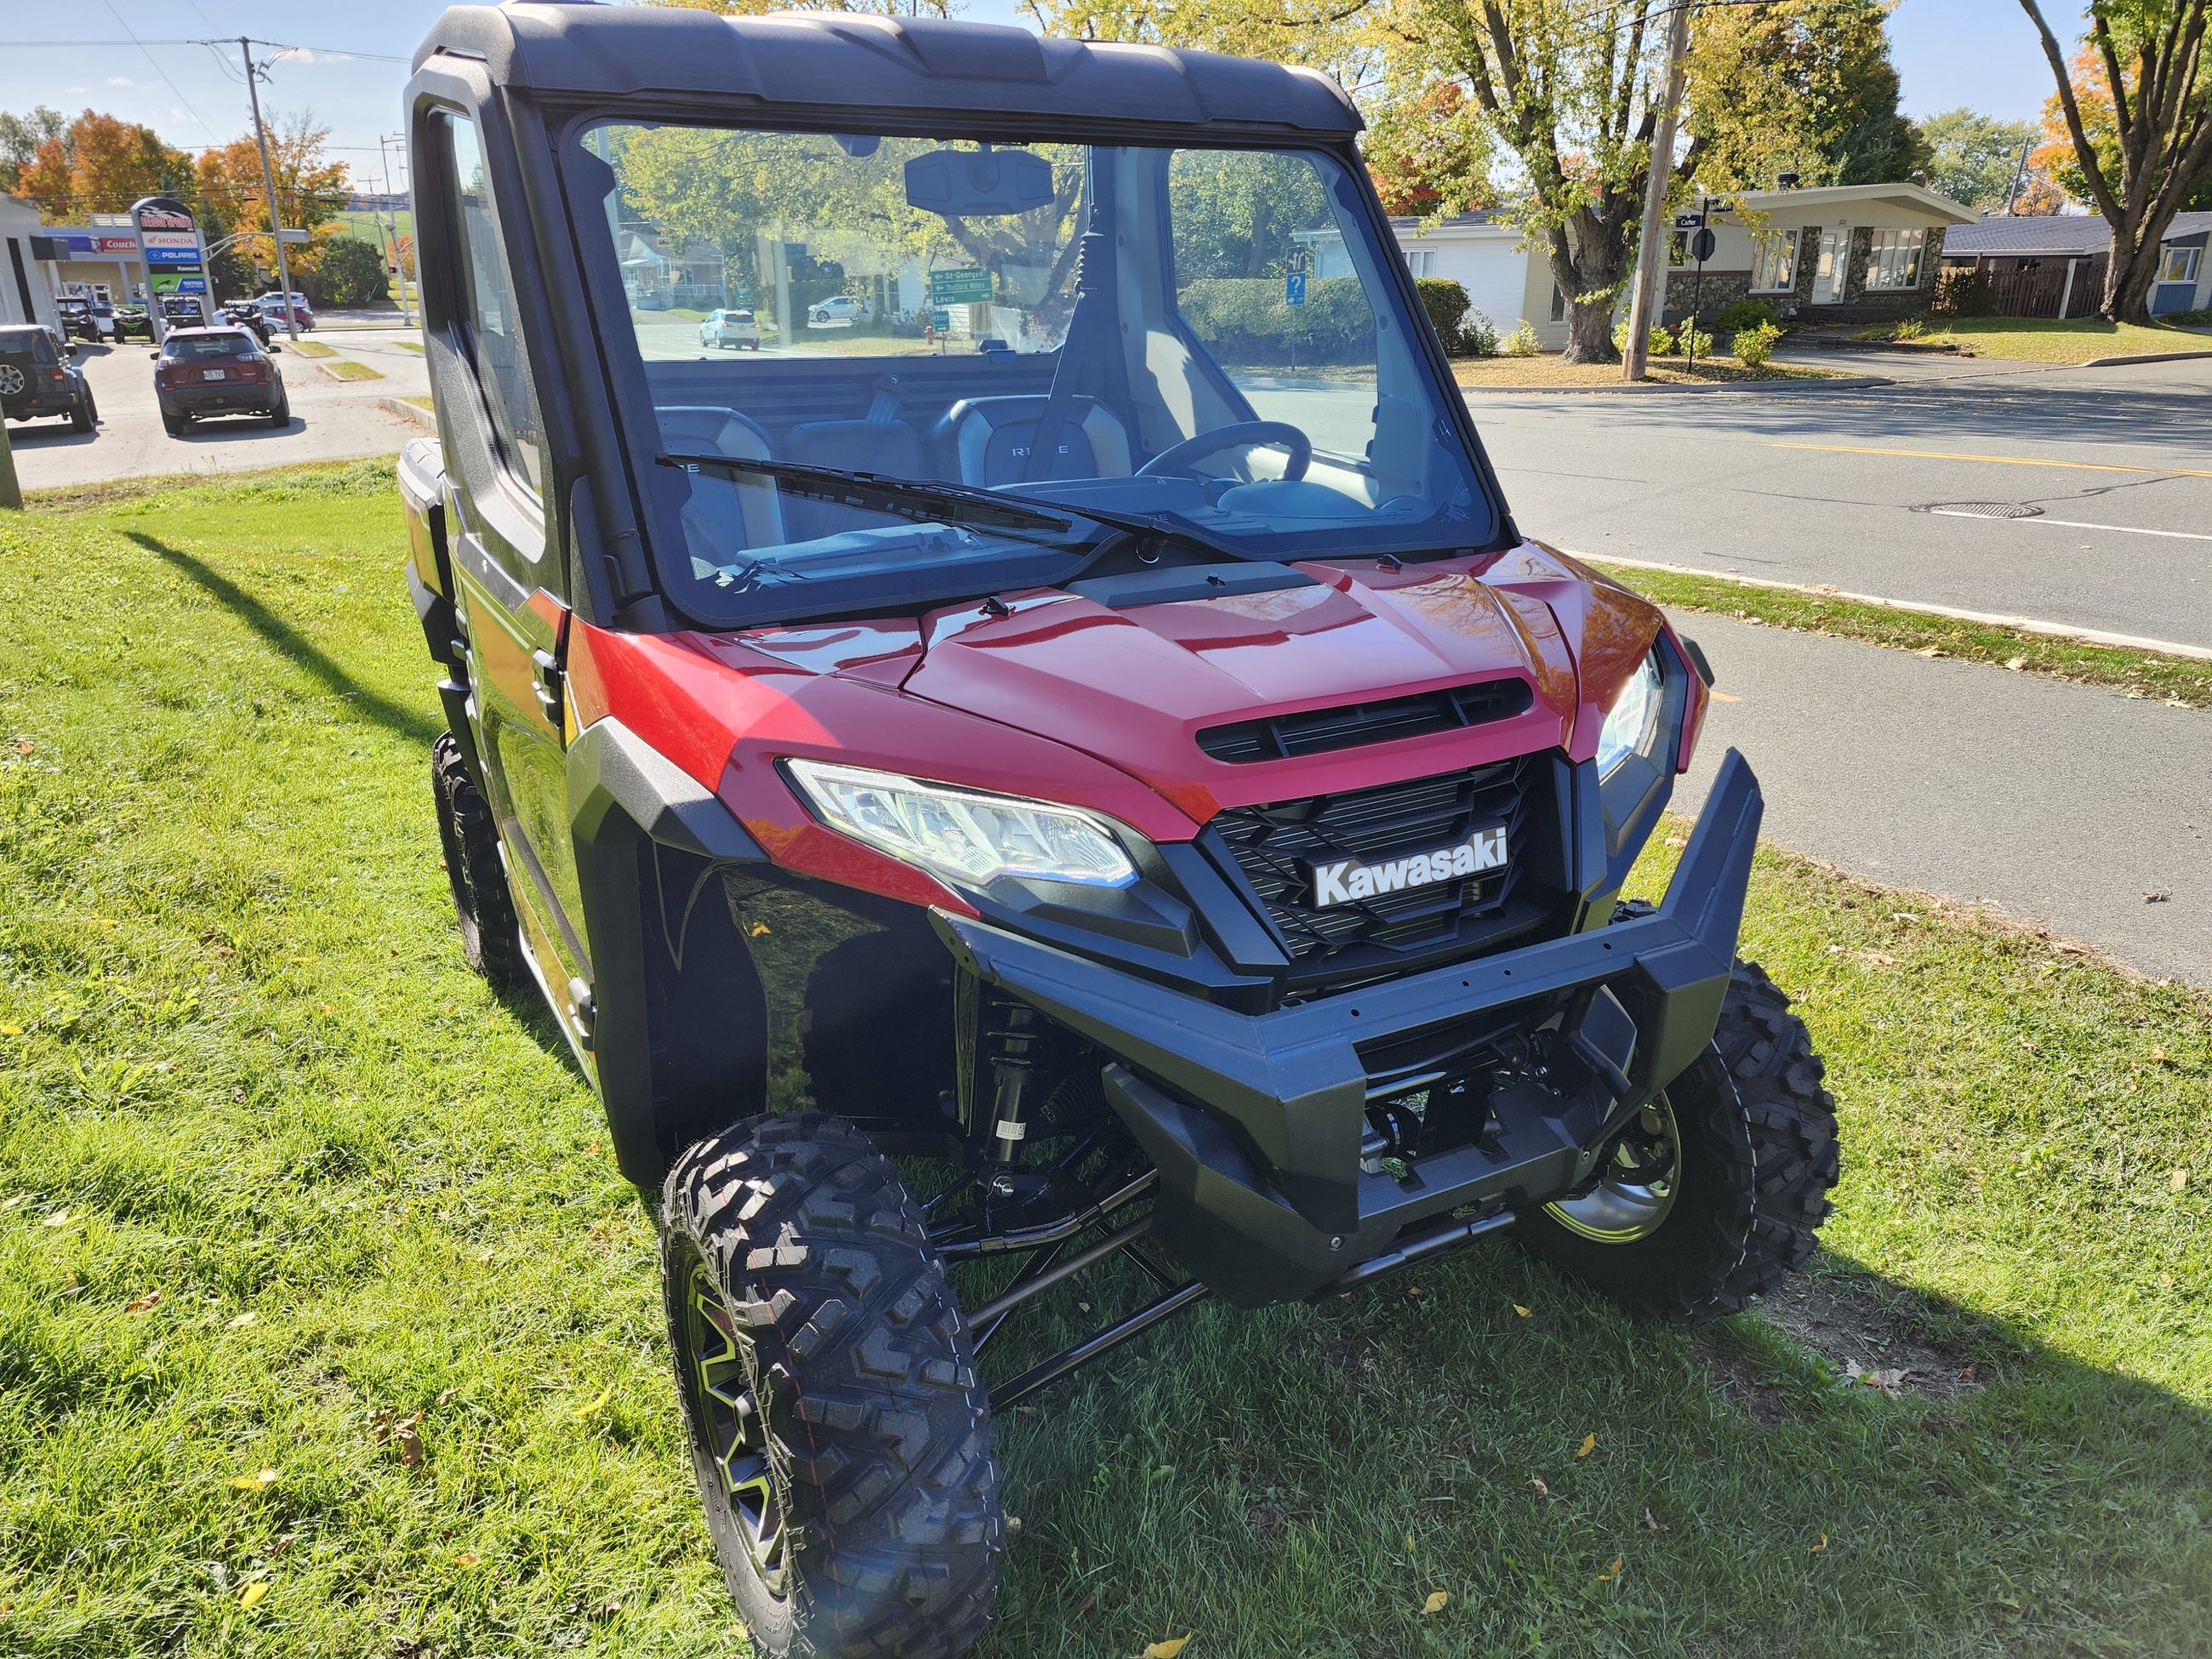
[2001, 460]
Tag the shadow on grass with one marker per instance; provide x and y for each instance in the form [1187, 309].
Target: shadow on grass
[294, 646]
[1298, 1479]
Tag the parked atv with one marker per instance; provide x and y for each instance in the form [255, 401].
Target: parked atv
[1119, 746]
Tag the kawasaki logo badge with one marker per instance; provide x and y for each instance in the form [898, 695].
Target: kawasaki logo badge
[1345, 881]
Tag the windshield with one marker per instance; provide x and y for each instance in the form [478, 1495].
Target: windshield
[208, 345]
[1224, 357]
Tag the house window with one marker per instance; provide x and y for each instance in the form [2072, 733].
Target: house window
[1774, 263]
[1559, 305]
[1422, 262]
[2180, 264]
[1893, 259]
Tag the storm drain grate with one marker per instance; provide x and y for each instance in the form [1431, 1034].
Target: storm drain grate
[1982, 510]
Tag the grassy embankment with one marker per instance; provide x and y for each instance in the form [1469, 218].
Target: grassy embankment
[327, 1328]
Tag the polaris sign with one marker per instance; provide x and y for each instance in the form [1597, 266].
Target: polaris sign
[1346, 881]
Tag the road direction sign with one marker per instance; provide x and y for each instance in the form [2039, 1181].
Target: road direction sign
[940, 319]
[962, 285]
[1294, 288]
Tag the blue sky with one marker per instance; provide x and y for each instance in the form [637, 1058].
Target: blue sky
[1981, 53]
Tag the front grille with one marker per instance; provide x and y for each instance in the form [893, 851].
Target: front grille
[1316, 731]
[1273, 844]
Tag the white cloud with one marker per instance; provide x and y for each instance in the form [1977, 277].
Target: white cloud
[123, 81]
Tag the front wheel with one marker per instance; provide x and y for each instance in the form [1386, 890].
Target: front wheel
[838, 1430]
[1717, 1190]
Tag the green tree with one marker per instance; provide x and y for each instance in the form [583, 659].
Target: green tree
[1975, 159]
[20, 138]
[2137, 111]
[1564, 92]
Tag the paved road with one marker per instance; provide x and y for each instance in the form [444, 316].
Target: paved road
[2057, 804]
[1780, 483]
[332, 420]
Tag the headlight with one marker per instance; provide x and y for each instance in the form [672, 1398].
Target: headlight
[1633, 720]
[961, 833]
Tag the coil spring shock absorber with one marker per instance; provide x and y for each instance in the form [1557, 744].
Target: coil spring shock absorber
[1016, 1048]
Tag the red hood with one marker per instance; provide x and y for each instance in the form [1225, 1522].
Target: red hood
[1134, 687]
[1060, 696]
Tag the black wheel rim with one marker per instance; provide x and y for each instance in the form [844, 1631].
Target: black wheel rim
[717, 1365]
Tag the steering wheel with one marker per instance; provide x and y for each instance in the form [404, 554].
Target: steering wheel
[1177, 458]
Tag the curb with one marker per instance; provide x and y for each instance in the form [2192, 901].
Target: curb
[2146, 357]
[1989, 619]
[407, 411]
[1840, 383]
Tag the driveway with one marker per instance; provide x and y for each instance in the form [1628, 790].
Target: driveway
[1802, 484]
[332, 420]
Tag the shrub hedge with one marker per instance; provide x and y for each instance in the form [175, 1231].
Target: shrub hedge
[1245, 321]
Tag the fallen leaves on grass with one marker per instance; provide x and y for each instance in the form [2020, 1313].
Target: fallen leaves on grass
[255, 1482]
[241, 1320]
[145, 1303]
[1521, 1310]
[2178, 1179]
[591, 1407]
[1436, 1602]
[1651, 1523]
[1611, 1572]
[252, 1595]
[1817, 1547]
[1890, 1381]
[1166, 1649]
[404, 1433]
[58, 1219]
[1537, 1481]
[1588, 1446]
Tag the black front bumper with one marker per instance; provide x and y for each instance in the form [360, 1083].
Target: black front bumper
[1255, 1120]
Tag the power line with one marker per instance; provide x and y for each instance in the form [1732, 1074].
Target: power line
[333, 52]
[158, 69]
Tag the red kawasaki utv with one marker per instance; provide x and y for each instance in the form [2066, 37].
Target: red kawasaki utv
[1084, 722]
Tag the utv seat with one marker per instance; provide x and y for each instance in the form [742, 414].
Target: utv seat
[887, 446]
[727, 515]
[986, 440]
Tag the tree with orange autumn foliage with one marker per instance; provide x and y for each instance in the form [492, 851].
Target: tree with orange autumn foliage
[310, 190]
[100, 164]
[2136, 107]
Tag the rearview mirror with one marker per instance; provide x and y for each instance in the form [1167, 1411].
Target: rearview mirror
[978, 183]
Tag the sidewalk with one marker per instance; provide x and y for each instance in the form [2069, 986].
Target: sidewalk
[2055, 804]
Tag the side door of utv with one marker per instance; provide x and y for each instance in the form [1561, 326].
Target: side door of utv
[508, 575]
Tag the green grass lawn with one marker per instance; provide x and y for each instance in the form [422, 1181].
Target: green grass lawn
[2186, 681]
[327, 1328]
[2049, 340]
[312, 348]
[351, 368]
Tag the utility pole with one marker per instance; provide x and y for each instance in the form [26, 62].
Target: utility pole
[11, 493]
[399, 254]
[1634, 360]
[268, 184]
[2019, 177]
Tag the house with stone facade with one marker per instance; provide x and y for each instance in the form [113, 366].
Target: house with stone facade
[1833, 253]
[1830, 253]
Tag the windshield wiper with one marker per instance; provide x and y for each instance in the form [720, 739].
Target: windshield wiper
[932, 502]
[905, 498]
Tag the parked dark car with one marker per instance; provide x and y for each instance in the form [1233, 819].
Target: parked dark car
[217, 371]
[1189, 808]
[38, 381]
[303, 316]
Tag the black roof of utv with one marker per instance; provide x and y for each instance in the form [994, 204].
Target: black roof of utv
[889, 64]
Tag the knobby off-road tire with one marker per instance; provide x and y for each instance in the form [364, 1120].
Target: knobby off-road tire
[491, 938]
[1757, 1154]
[873, 1428]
